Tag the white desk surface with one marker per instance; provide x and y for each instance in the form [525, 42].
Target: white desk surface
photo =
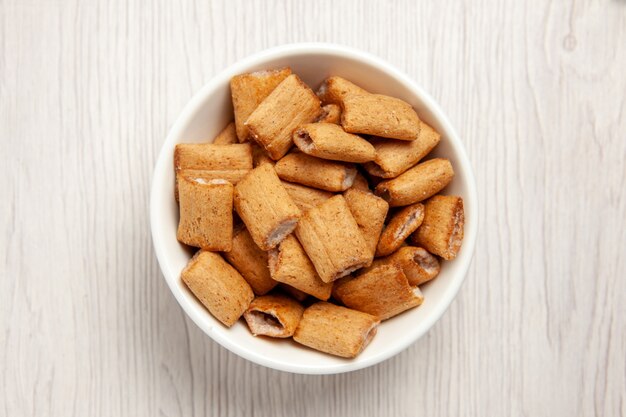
[88, 90]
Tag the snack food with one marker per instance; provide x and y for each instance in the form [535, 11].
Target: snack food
[393, 157]
[209, 277]
[360, 183]
[382, 291]
[418, 264]
[339, 211]
[293, 292]
[330, 141]
[331, 113]
[209, 157]
[417, 184]
[334, 89]
[336, 330]
[206, 214]
[260, 157]
[265, 207]
[441, 232]
[370, 212]
[332, 239]
[249, 90]
[273, 315]
[291, 104]
[228, 136]
[316, 172]
[250, 261]
[209, 161]
[379, 115]
[289, 264]
[400, 226]
[305, 197]
[233, 176]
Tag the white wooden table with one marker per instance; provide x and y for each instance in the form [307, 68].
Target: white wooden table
[88, 90]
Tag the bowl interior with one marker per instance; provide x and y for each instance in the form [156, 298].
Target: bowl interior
[210, 110]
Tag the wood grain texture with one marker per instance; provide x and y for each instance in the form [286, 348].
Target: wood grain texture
[88, 91]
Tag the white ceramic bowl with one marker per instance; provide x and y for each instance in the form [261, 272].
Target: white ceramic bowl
[210, 110]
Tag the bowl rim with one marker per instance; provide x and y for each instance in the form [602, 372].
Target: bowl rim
[282, 51]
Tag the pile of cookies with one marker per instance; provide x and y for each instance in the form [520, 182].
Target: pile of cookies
[314, 214]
